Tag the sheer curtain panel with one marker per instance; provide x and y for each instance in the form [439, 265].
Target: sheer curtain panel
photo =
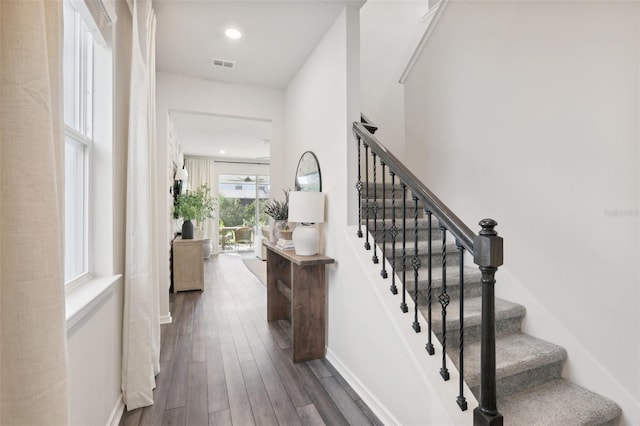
[141, 322]
[200, 172]
[33, 370]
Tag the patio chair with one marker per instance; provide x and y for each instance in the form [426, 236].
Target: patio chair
[244, 236]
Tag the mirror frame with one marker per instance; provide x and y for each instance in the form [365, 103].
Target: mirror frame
[310, 162]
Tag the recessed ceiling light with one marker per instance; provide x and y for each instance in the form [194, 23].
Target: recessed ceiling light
[232, 33]
[222, 151]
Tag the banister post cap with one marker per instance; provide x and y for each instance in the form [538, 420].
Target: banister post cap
[488, 246]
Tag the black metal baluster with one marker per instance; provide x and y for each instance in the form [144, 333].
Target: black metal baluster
[429, 346]
[403, 304]
[394, 234]
[374, 258]
[488, 255]
[367, 246]
[383, 272]
[415, 262]
[444, 301]
[359, 188]
[461, 400]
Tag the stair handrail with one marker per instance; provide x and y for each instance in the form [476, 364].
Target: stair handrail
[453, 223]
[486, 248]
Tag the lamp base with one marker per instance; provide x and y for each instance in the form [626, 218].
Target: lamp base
[306, 240]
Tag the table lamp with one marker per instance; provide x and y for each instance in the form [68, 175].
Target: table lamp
[307, 209]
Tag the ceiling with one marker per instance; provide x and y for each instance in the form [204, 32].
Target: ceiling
[277, 38]
[206, 135]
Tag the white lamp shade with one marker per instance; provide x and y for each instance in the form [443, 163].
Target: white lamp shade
[306, 207]
[181, 174]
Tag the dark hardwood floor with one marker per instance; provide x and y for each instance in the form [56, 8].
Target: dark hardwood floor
[223, 364]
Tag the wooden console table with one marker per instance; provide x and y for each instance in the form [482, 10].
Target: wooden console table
[297, 291]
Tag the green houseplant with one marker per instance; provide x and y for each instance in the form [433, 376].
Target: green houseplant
[196, 206]
[279, 211]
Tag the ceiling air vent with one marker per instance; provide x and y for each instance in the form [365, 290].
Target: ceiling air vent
[222, 63]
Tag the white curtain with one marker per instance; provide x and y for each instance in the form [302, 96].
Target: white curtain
[141, 322]
[33, 370]
[200, 172]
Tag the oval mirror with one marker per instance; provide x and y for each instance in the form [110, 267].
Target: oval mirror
[308, 176]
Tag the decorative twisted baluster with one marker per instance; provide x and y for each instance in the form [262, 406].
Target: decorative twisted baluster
[461, 400]
[367, 246]
[359, 188]
[383, 271]
[429, 346]
[394, 234]
[374, 258]
[415, 262]
[403, 304]
[488, 255]
[444, 301]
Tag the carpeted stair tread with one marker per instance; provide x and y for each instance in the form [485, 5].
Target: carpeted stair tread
[557, 403]
[521, 361]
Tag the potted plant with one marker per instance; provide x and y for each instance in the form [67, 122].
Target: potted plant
[279, 211]
[196, 206]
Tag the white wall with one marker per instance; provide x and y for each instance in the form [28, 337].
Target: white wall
[181, 93]
[387, 29]
[527, 112]
[94, 351]
[94, 344]
[364, 345]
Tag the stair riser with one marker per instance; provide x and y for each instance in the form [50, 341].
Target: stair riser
[436, 260]
[526, 379]
[504, 326]
[452, 290]
[388, 212]
[436, 235]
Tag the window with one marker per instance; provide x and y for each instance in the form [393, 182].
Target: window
[88, 135]
[78, 120]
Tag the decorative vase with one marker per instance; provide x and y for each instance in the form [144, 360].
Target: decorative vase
[187, 230]
[286, 235]
[278, 226]
[207, 248]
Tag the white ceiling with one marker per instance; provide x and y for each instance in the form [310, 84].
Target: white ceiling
[206, 134]
[278, 36]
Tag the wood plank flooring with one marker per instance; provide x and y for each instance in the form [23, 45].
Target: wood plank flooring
[223, 364]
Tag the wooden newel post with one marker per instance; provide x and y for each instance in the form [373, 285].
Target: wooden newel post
[488, 254]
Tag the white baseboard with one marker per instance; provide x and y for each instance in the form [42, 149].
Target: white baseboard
[166, 319]
[116, 413]
[372, 402]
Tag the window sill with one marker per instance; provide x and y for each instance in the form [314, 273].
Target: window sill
[83, 299]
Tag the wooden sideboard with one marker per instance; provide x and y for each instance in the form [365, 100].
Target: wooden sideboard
[188, 265]
[297, 291]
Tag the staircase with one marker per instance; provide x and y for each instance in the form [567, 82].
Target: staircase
[530, 390]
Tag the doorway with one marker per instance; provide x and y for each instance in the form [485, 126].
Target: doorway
[241, 216]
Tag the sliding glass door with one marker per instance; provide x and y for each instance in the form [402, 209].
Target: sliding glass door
[240, 211]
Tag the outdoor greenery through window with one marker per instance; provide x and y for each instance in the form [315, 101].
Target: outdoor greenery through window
[237, 212]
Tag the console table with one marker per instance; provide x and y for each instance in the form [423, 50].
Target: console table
[297, 291]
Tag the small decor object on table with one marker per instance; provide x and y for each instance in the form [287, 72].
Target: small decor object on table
[279, 211]
[195, 205]
[285, 244]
